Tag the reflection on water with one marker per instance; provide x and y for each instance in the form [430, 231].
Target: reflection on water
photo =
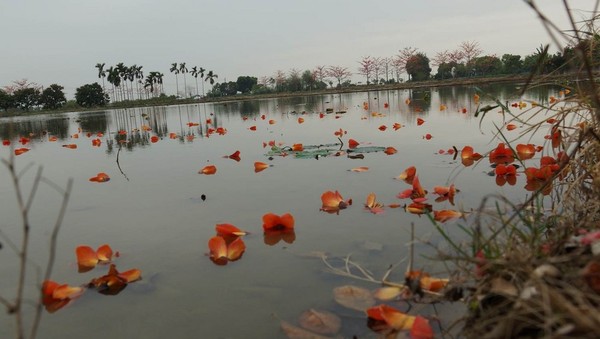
[159, 213]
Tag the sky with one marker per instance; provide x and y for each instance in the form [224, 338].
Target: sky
[60, 41]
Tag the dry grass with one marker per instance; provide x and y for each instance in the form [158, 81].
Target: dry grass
[526, 270]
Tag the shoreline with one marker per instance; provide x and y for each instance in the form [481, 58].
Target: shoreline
[169, 101]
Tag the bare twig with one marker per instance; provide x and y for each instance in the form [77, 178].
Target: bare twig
[52, 255]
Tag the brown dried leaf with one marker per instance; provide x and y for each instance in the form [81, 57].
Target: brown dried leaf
[322, 322]
[356, 298]
[294, 332]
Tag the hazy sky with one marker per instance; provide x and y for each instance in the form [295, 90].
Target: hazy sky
[60, 41]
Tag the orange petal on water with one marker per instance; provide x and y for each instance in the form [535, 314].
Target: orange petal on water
[467, 152]
[111, 283]
[360, 169]
[300, 120]
[271, 122]
[390, 151]
[154, 139]
[236, 249]
[510, 127]
[408, 175]
[332, 201]
[67, 292]
[48, 287]
[421, 329]
[432, 284]
[420, 121]
[446, 215]
[5, 142]
[287, 220]
[104, 253]
[391, 316]
[86, 257]
[172, 135]
[208, 170]
[418, 191]
[229, 230]
[418, 208]
[260, 166]
[373, 205]
[252, 128]
[235, 156]
[131, 275]
[217, 247]
[100, 177]
[382, 127]
[20, 151]
[272, 221]
[397, 126]
[297, 147]
[525, 151]
[352, 143]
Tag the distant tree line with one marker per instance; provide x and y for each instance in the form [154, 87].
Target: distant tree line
[27, 95]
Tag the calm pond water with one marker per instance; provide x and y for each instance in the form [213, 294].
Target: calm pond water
[151, 210]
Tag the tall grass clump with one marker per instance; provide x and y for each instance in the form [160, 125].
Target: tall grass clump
[532, 269]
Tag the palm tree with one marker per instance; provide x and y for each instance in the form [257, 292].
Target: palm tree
[114, 79]
[210, 77]
[201, 72]
[175, 70]
[183, 70]
[149, 82]
[139, 76]
[101, 73]
[195, 72]
[159, 80]
[122, 74]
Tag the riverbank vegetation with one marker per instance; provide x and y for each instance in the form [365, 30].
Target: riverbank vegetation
[531, 269]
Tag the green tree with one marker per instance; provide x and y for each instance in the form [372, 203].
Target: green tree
[446, 70]
[487, 65]
[245, 83]
[308, 80]
[417, 67]
[53, 97]
[91, 95]
[294, 83]
[6, 100]
[26, 98]
[512, 64]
